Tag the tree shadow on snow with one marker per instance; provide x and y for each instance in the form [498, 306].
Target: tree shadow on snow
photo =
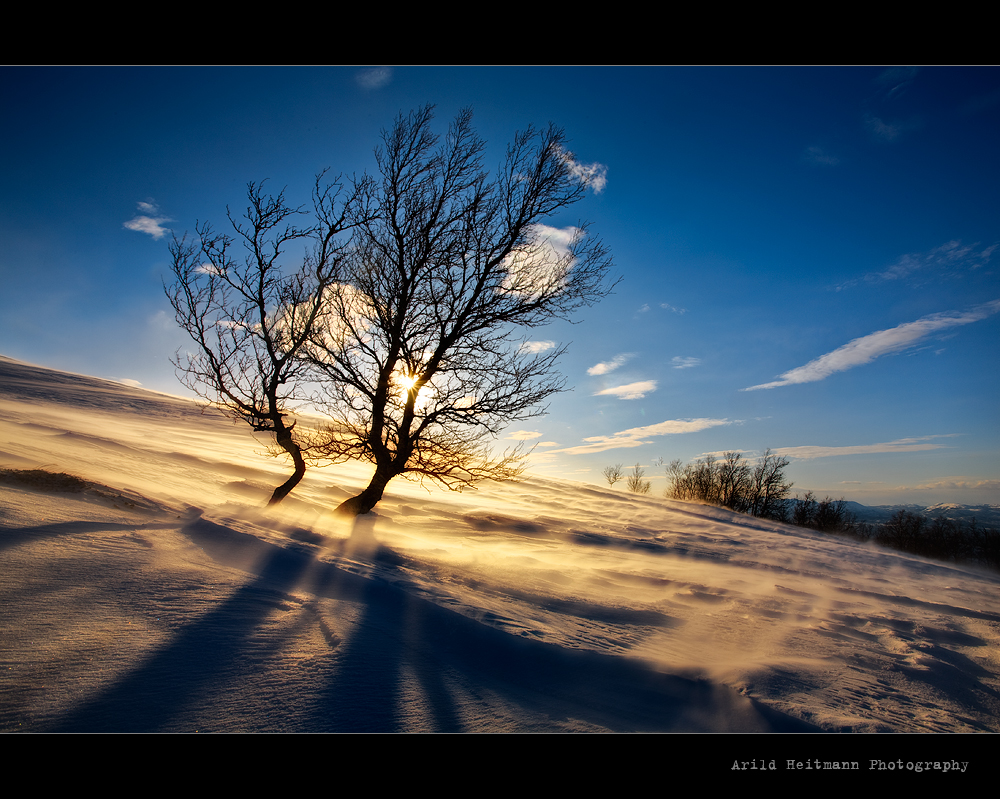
[407, 665]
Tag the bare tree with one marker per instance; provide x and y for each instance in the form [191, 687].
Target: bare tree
[424, 354]
[804, 510]
[732, 481]
[613, 474]
[760, 490]
[767, 489]
[635, 482]
[249, 317]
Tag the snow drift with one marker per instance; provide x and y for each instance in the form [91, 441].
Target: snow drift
[160, 596]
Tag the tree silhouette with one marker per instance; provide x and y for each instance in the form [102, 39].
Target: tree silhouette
[759, 489]
[249, 317]
[613, 474]
[422, 354]
[635, 482]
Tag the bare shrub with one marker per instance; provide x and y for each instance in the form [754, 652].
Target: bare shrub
[614, 474]
[635, 482]
[43, 480]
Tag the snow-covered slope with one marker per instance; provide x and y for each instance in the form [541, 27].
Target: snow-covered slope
[163, 597]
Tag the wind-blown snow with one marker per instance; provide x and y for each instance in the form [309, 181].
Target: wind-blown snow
[164, 598]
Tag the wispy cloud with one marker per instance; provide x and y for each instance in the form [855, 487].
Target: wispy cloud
[533, 347]
[523, 435]
[867, 348]
[882, 130]
[889, 131]
[374, 78]
[593, 176]
[610, 366]
[684, 363]
[915, 444]
[817, 155]
[667, 306]
[895, 80]
[148, 221]
[631, 391]
[637, 436]
[956, 482]
[950, 258]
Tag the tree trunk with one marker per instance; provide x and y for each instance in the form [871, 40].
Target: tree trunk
[284, 438]
[369, 498]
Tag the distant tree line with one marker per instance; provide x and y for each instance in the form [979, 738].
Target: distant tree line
[930, 536]
[759, 488]
[732, 481]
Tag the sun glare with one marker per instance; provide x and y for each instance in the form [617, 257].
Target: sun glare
[406, 383]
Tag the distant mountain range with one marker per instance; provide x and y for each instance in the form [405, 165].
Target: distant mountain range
[985, 515]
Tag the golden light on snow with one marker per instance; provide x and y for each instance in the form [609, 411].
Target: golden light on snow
[337, 619]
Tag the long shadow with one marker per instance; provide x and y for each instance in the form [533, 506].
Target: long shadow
[404, 645]
[15, 536]
[368, 690]
[406, 666]
[446, 652]
[202, 655]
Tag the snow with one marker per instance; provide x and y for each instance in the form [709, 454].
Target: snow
[165, 598]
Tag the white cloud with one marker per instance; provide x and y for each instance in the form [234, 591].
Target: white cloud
[523, 435]
[631, 391]
[901, 445]
[867, 348]
[673, 308]
[374, 78]
[637, 436]
[532, 347]
[544, 262]
[593, 176]
[958, 482]
[949, 258]
[684, 363]
[610, 366]
[145, 223]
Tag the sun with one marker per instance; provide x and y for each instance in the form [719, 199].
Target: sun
[406, 383]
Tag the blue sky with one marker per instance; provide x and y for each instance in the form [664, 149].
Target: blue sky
[809, 256]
